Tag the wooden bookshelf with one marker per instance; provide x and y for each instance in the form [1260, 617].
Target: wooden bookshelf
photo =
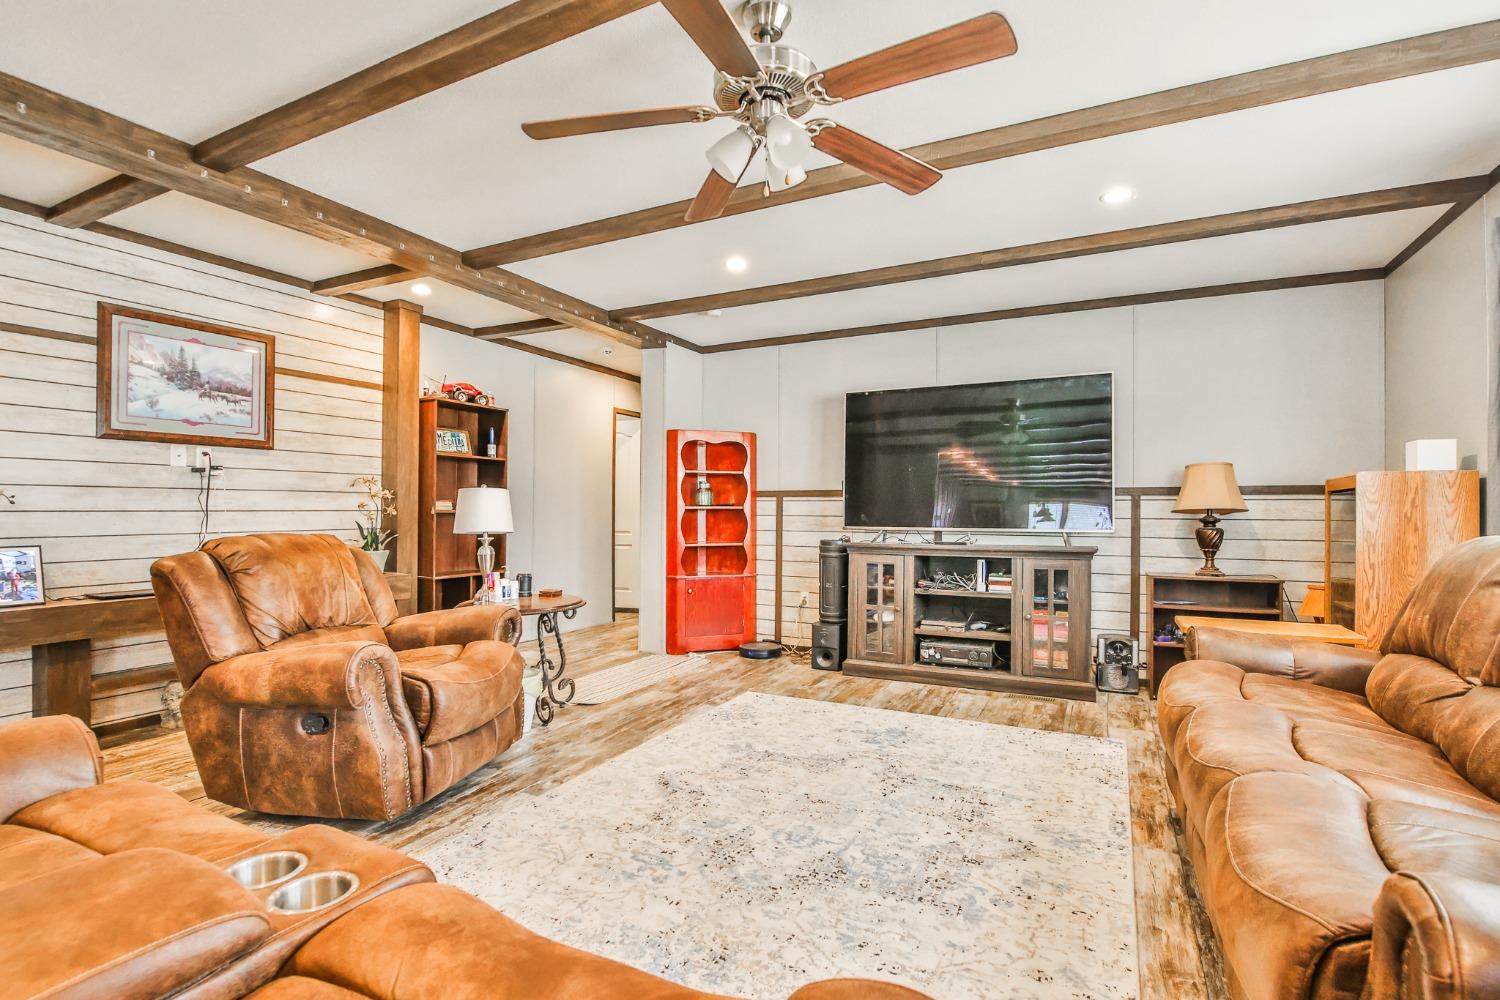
[1232, 598]
[710, 546]
[447, 567]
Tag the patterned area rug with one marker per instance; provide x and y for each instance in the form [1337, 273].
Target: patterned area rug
[616, 682]
[772, 841]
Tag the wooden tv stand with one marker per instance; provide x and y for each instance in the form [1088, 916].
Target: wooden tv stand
[1040, 626]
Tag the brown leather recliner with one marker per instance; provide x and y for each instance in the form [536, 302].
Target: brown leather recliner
[306, 695]
[1342, 806]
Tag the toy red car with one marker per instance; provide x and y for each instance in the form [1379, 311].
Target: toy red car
[465, 393]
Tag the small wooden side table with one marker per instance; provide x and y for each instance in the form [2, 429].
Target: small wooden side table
[1336, 634]
[557, 690]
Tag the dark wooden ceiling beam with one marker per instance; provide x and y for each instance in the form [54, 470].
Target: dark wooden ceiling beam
[114, 195]
[1081, 305]
[57, 122]
[482, 44]
[129, 236]
[1229, 224]
[358, 281]
[503, 331]
[1460, 206]
[1321, 75]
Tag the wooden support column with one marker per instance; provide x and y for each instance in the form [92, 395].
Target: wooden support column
[401, 381]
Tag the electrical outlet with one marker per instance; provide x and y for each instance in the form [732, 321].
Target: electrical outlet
[179, 456]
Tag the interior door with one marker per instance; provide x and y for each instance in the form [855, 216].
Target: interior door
[877, 586]
[627, 512]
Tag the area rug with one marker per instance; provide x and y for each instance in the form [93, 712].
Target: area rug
[771, 841]
[616, 682]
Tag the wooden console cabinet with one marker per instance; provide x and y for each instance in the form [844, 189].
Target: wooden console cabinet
[1038, 617]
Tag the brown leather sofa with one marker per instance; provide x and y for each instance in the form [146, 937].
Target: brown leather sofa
[306, 695]
[120, 891]
[1340, 805]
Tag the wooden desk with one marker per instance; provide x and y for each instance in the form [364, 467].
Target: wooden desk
[1336, 634]
[61, 634]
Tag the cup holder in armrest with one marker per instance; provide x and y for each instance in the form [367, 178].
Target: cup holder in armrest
[264, 870]
[312, 892]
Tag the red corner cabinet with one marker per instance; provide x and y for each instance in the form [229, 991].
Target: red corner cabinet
[710, 540]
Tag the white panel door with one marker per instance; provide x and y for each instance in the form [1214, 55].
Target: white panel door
[627, 512]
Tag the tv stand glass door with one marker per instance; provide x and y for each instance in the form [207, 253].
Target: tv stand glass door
[879, 586]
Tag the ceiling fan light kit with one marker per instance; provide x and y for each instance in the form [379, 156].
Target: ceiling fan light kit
[767, 86]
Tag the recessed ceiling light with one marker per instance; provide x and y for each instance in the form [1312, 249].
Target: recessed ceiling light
[1117, 195]
[735, 264]
[421, 289]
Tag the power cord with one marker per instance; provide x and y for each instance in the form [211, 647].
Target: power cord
[794, 651]
[206, 473]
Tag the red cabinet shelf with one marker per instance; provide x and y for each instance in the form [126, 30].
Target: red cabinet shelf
[710, 546]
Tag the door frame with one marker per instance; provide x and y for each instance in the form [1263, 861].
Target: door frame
[614, 423]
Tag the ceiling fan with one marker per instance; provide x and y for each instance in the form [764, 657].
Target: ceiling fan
[767, 87]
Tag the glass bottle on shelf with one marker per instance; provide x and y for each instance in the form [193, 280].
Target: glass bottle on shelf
[703, 495]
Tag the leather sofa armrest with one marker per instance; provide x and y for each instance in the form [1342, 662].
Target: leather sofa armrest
[41, 757]
[1436, 937]
[138, 923]
[322, 675]
[1344, 668]
[472, 623]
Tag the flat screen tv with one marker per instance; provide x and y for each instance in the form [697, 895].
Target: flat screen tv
[1030, 455]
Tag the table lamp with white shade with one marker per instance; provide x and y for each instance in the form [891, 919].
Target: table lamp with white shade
[1209, 488]
[483, 511]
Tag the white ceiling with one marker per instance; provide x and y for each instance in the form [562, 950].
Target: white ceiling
[455, 166]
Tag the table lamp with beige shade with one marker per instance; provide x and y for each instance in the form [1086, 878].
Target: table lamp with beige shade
[483, 511]
[1208, 488]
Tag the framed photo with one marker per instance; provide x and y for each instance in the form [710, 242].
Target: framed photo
[453, 441]
[164, 378]
[21, 576]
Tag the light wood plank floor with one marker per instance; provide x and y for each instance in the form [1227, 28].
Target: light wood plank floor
[1179, 958]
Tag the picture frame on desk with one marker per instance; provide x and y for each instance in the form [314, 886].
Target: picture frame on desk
[173, 380]
[453, 441]
[22, 583]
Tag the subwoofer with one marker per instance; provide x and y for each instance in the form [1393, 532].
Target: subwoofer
[828, 646]
[833, 605]
[1117, 660]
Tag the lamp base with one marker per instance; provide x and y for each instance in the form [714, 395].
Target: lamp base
[1209, 537]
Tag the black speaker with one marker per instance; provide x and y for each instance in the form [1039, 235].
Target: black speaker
[1117, 660]
[833, 580]
[828, 646]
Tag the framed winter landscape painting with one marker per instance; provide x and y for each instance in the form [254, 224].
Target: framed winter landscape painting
[164, 378]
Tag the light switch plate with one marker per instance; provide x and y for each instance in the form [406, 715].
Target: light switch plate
[179, 456]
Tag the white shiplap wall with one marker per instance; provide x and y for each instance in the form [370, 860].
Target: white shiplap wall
[104, 510]
[1280, 536]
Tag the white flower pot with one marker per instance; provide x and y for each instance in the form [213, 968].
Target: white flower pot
[381, 556]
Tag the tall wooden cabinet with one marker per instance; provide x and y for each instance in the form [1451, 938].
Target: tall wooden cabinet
[710, 540]
[448, 564]
[1382, 530]
[1030, 604]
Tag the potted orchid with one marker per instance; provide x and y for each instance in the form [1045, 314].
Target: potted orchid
[372, 511]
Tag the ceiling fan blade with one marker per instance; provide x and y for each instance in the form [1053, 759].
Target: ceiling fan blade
[967, 43]
[587, 124]
[712, 198]
[902, 172]
[714, 31]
